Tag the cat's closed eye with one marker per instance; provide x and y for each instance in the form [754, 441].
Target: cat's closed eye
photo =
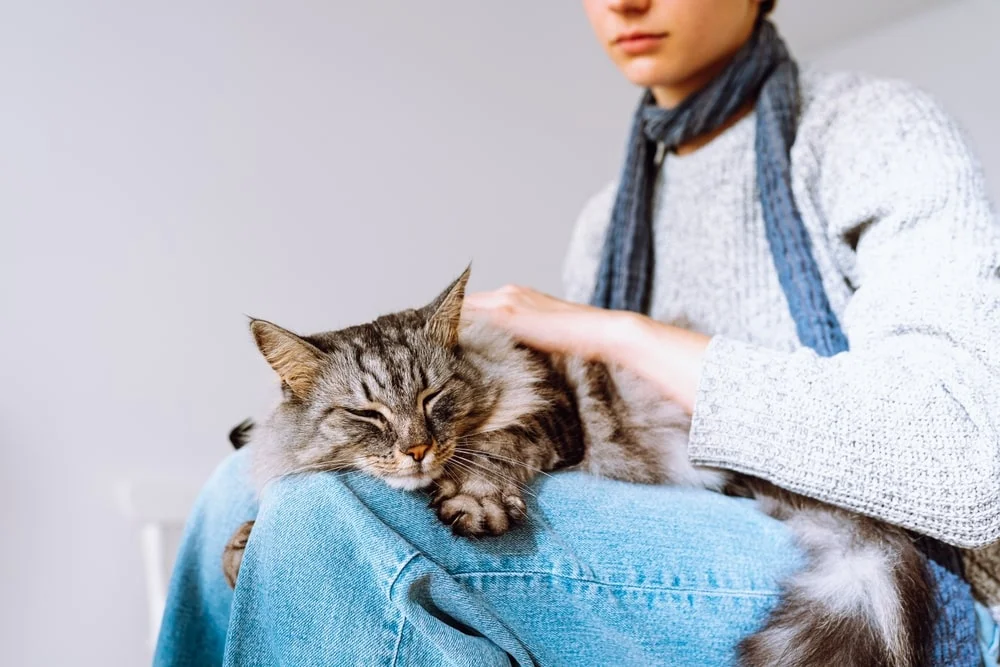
[429, 399]
[374, 416]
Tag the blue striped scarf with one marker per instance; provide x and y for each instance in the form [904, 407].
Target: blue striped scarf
[762, 67]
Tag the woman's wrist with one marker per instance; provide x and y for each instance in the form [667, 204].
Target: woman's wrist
[667, 356]
[624, 337]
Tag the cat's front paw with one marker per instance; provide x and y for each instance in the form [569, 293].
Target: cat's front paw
[473, 514]
[232, 555]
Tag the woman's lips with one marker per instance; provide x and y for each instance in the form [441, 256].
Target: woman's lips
[637, 43]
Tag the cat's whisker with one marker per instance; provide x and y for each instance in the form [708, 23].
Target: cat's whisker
[469, 467]
[480, 465]
[472, 471]
[323, 466]
[480, 469]
[482, 474]
[462, 465]
[500, 457]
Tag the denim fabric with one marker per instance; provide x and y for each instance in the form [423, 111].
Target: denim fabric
[989, 636]
[342, 570]
[196, 618]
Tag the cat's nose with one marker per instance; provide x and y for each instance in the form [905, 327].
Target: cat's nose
[418, 451]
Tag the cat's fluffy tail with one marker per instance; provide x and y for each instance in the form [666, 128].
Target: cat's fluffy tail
[864, 597]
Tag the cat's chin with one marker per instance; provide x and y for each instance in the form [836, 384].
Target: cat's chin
[409, 482]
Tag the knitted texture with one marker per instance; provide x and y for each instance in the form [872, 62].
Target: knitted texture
[955, 641]
[902, 427]
[762, 68]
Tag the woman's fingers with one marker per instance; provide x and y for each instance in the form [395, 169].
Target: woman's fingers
[537, 319]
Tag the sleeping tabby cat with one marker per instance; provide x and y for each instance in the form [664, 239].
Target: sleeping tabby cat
[472, 416]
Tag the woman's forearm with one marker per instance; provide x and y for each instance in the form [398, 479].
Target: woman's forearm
[669, 357]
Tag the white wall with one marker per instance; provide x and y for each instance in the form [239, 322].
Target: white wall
[953, 51]
[167, 167]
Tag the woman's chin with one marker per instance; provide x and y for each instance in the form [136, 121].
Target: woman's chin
[647, 72]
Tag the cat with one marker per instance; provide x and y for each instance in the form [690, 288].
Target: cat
[424, 400]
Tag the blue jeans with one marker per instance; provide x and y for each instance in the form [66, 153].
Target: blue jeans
[342, 570]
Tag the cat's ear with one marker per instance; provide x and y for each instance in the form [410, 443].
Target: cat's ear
[296, 361]
[446, 310]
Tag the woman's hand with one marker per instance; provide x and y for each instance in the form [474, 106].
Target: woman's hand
[545, 322]
[667, 356]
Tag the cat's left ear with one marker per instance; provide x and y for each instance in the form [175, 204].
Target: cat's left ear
[297, 362]
[446, 310]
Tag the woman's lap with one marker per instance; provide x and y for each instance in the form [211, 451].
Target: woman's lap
[344, 570]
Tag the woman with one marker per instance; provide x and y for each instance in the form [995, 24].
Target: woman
[781, 217]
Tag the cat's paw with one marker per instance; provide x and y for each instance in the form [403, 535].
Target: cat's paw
[232, 555]
[477, 515]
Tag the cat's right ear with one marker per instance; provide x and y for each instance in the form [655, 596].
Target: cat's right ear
[445, 311]
[296, 361]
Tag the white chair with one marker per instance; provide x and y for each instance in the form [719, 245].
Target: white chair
[158, 507]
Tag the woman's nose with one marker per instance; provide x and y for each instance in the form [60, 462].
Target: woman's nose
[629, 6]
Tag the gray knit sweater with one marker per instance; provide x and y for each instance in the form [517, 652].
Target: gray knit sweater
[904, 427]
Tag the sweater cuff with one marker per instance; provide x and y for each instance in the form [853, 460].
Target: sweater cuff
[738, 422]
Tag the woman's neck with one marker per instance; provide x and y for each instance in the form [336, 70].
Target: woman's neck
[670, 96]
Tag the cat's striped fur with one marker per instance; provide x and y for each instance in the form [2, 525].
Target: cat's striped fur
[472, 416]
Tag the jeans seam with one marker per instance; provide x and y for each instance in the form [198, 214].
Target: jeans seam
[399, 573]
[678, 589]
[402, 621]
[399, 640]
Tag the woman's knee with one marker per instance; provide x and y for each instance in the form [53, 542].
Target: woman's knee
[320, 525]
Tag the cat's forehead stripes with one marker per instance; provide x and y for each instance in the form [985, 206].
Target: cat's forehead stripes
[367, 391]
[387, 363]
[368, 366]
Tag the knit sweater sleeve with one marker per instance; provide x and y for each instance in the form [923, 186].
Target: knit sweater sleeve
[905, 426]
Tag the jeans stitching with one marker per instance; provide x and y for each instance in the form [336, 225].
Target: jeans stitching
[399, 640]
[402, 623]
[678, 589]
[399, 573]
